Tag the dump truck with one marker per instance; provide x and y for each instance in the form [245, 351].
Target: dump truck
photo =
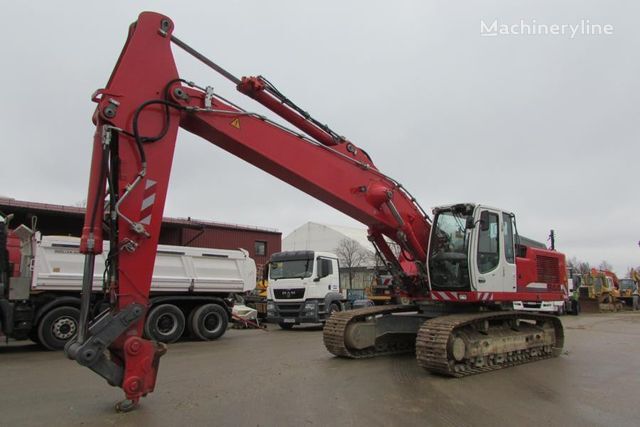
[192, 289]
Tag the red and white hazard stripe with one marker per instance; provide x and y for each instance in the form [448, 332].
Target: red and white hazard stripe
[148, 201]
[444, 296]
[456, 296]
[485, 296]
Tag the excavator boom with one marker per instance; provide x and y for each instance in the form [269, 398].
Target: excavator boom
[137, 119]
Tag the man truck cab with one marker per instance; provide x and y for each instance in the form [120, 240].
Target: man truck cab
[304, 287]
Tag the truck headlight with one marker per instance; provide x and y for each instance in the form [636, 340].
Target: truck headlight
[271, 306]
[310, 306]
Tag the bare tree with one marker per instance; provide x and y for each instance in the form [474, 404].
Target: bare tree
[578, 266]
[351, 255]
[604, 265]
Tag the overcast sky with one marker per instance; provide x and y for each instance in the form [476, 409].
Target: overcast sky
[544, 126]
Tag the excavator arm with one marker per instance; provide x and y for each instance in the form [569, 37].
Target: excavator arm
[137, 120]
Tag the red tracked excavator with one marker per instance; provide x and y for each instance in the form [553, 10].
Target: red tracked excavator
[459, 272]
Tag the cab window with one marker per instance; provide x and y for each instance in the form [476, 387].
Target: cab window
[488, 242]
[325, 268]
[507, 229]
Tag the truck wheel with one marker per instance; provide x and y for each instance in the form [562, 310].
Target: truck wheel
[285, 326]
[334, 307]
[209, 322]
[165, 323]
[57, 327]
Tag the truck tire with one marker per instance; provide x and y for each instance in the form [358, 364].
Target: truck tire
[164, 323]
[57, 327]
[209, 322]
[334, 307]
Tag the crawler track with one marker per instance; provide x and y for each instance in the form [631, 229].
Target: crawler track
[335, 330]
[492, 341]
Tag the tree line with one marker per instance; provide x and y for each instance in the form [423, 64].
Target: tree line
[584, 267]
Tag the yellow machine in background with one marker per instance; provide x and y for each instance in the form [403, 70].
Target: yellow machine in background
[257, 298]
[627, 287]
[261, 288]
[599, 291]
[380, 291]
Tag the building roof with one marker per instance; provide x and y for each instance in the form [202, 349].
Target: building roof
[79, 211]
[354, 233]
[323, 237]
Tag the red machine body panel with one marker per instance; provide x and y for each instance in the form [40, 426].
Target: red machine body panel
[541, 270]
[13, 246]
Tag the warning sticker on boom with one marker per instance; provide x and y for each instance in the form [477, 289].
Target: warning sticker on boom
[236, 123]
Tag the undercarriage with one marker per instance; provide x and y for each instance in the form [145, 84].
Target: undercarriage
[457, 344]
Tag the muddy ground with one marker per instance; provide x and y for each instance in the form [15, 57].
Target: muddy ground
[287, 378]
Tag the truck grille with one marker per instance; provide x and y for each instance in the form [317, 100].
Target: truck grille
[289, 309]
[289, 293]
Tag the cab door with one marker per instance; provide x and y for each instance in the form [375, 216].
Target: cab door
[489, 262]
[327, 280]
[509, 268]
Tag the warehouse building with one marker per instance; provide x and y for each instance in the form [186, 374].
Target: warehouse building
[68, 221]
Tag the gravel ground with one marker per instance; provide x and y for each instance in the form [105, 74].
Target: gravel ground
[287, 378]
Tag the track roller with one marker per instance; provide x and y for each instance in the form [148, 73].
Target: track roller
[458, 345]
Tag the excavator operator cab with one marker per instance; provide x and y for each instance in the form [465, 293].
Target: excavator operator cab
[472, 248]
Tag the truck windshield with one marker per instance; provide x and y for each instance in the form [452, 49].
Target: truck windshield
[289, 269]
[448, 259]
